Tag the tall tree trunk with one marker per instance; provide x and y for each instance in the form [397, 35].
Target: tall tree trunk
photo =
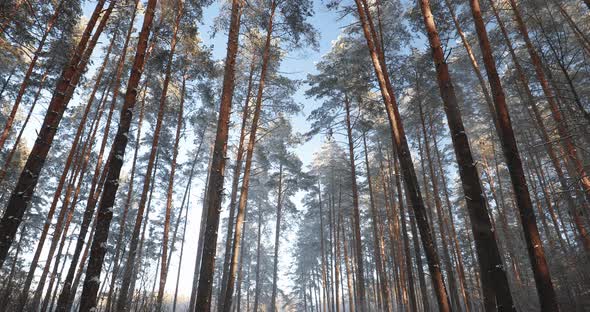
[25, 186]
[186, 192]
[337, 266]
[28, 73]
[273, 300]
[201, 240]
[247, 166]
[330, 276]
[427, 203]
[235, 185]
[415, 241]
[138, 262]
[400, 142]
[126, 206]
[500, 207]
[536, 252]
[460, 266]
[58, 278]
[258, 282]
[170, 193]
[409, 273]
[322, 247]
[217, 170]
[397, 250]
[117, 154]
[562, 128]
[496, 289]
[356, 211]
[439, 211]
[186, 198]
[390, 190]
[241, 273]
[81, 265]
[133, 245]
[384, 287]
[347, 267]
[573, 207]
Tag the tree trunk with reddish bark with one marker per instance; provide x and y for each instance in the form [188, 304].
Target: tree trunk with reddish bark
[356, 211]
[115, 161]
[70, 159]
[240, 217]
[400, 142]
[562, 128]
[170, 192]
[273, 297]
[25, 186]
[545, 289]
[494, 281]
[139, 221]
[217, 170]
[235, 185]
[384, 286]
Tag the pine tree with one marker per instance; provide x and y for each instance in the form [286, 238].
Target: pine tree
[115, 161]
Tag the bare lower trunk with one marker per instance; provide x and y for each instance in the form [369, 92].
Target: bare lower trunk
[240, 217]
[356, 211]
[258, 282]
[536, 252]
[215, 186]
[494, 280]
[460, 265]
[170, 193]
[380, 267]
[409, 272]
[137, 264]
[115, 161]
[235, 185]
[200, 242]
[347, 267]
[126, 206]
[322, 247]
[273, 300]
[241, 273]
[187, 191]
